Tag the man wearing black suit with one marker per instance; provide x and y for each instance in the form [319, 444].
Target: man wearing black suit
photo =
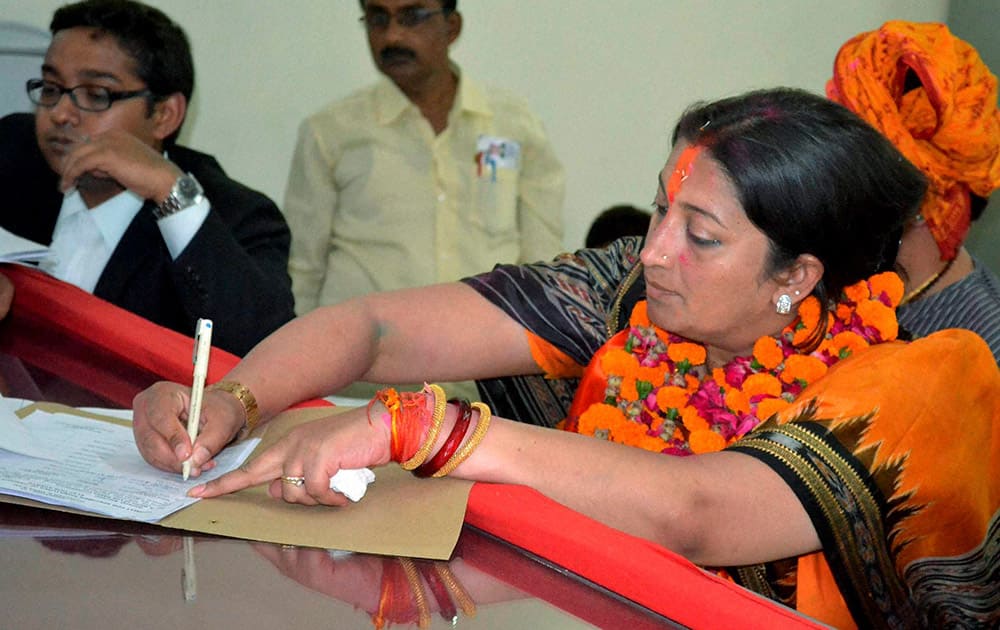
[132, 217]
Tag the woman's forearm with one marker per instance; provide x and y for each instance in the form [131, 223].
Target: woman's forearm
[444, 332]
[607, 485]
[306, 358]
[707, 508]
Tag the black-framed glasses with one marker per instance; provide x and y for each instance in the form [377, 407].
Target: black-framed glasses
[410, 17]
[89, 98]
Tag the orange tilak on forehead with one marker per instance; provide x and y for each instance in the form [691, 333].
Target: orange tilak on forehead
[682, 171]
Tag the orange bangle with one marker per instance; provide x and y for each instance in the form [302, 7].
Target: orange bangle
[411, 424]
[389, 398]
[437, 419]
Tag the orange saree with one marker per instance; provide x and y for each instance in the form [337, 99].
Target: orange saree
[896, 456]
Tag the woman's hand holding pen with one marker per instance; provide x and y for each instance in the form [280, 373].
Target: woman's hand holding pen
[159, 424]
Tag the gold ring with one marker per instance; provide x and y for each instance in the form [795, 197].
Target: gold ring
[294, 481]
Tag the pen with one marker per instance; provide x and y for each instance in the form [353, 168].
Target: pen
[202, 344]
[189, 579]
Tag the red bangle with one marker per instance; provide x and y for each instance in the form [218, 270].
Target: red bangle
[450, 445]
[445, 604]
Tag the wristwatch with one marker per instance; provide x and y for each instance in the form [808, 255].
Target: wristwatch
[185, 193]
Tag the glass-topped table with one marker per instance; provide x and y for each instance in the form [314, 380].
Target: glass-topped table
[71, 570]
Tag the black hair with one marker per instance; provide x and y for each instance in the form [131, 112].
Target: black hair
[156, 43]
[448, 6]
[814, 177]
[976, 205]
[615, 222]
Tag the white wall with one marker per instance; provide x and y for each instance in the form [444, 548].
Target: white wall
[978, 23]
[608, 78]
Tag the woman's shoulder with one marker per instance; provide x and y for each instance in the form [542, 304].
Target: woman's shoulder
[616, 259]
[601, 268]
[958, 346]
[951, 348]
[947, 369]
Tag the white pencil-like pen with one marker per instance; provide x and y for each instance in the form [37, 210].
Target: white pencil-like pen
[202, 345]
[189, 579]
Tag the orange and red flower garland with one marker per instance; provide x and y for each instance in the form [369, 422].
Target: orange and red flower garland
[653, 400]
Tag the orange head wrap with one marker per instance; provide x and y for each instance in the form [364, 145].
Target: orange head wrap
[949, 127]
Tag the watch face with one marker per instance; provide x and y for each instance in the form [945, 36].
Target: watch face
[188, 188]
[185, 193]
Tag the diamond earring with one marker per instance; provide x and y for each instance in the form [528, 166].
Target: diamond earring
[784, 304]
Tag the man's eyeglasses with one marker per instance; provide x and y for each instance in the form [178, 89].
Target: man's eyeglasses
[410, 17]
[89, 98]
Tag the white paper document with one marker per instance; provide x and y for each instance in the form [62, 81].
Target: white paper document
[14, 248]
[87, 464]
[15, 436]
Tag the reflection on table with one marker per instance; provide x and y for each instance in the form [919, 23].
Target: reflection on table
[554, 568]
[87, 572]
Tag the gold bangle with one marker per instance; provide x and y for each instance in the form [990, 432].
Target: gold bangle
[417, 588]
[440, 406]
[246, 398]
[458, 593]
[485, 415]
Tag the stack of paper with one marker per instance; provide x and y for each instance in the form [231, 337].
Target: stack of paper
[83, 459]
[71, 460]
[14, 248]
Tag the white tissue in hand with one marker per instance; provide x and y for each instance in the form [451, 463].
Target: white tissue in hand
[352, 482]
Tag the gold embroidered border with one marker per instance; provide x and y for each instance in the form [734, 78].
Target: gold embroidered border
[810, 475]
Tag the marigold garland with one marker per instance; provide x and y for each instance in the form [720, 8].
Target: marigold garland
[653, 400]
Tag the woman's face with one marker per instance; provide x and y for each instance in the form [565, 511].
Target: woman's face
[705, 261]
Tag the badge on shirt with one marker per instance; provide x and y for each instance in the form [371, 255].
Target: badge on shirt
[493, 153]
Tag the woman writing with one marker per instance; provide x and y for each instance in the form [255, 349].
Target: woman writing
[777, 216]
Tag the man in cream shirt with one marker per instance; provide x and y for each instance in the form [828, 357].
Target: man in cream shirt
[423, 177]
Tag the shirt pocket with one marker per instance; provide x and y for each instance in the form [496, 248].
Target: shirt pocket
[495, 195]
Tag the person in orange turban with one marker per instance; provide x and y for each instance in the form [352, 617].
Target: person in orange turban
[931, 94]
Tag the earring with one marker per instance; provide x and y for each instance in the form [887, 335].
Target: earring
[797, 293]
[664, 257]
[784, 304]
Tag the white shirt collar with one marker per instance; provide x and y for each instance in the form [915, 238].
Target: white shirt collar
[112, 217]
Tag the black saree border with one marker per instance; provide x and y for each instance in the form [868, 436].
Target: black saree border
[960, 591]
[846, 508]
